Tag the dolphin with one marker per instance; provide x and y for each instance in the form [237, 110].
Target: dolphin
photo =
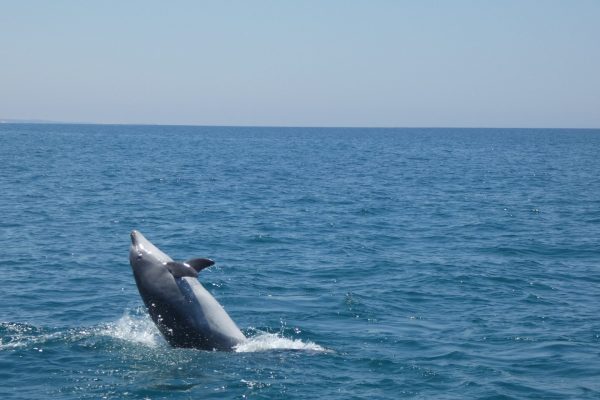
[185, 313]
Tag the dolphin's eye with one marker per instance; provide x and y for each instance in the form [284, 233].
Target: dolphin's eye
[139, 257]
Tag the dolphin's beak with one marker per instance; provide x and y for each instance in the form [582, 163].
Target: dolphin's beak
[134, 237]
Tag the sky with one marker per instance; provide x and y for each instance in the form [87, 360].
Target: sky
[378, 63]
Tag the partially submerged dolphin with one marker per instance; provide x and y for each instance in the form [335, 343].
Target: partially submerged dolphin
[183, 310]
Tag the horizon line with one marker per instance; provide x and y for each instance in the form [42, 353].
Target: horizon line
[8, 121]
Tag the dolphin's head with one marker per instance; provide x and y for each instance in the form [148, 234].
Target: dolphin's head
[144, 256]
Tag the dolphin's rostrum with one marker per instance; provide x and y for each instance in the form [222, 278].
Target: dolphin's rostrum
[186, 314]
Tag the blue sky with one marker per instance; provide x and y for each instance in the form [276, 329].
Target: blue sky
[303, 63]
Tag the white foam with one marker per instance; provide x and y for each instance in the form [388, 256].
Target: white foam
[14, 344]
[133, 328]
[20, 336]
[264, 341]
[136, 327]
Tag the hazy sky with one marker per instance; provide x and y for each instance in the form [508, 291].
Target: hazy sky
[400, 63]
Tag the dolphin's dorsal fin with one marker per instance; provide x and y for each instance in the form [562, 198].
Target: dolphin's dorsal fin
[199, 263]
[179, 270]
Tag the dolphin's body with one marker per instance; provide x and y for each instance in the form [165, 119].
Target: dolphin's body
[183, 310]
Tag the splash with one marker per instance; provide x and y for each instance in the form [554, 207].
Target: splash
[264, 341]
[135, 328]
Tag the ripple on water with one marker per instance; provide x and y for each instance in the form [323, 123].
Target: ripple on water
[374, 263]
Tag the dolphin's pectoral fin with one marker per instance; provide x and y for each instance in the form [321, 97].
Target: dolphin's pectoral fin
[179, 270]
[200, 263]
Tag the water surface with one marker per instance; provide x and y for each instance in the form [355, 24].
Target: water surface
[362, 263]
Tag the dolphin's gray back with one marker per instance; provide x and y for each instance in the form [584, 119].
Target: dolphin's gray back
[207, 315]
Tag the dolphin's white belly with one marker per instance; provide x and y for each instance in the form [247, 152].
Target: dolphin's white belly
[209, 315]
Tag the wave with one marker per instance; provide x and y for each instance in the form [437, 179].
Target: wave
[264, 341]
[17, 335]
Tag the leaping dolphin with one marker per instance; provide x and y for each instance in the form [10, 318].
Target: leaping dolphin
[185, 313]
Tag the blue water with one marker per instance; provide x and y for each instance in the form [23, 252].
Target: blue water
[362, 263]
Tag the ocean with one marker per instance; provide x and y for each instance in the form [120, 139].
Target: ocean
[361, 263]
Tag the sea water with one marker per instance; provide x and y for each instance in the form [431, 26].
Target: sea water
[361, 263]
